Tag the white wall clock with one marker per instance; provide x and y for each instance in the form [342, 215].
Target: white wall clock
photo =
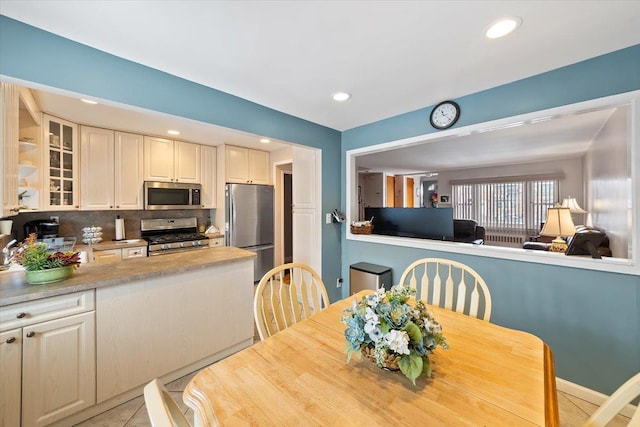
[444, 115]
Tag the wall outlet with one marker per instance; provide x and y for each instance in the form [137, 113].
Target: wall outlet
[339, 282]
[327, 218]
[55, 218]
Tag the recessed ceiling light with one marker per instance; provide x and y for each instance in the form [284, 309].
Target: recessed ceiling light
[89, 101]
[173, 132]
[341, 96]
[265, 140]
[503, 27]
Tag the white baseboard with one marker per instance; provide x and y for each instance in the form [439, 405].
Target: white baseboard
[589, 395]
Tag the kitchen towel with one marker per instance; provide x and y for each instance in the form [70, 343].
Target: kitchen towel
[120, 228]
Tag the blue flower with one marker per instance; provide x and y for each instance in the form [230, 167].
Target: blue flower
[354, 332]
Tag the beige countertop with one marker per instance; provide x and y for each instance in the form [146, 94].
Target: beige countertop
[15, 289]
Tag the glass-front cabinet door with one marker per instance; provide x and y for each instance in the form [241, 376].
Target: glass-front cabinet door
[61, 160]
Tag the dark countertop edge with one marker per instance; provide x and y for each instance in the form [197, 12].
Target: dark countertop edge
[17, 290]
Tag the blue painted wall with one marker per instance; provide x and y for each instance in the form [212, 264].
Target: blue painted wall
[589, 319]
[31, 54]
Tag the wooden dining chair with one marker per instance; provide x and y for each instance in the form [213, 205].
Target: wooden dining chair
[441, 281]
[614, 404]
[162, 409]
[285, 295]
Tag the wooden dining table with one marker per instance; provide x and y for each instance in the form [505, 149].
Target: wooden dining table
[490, 376]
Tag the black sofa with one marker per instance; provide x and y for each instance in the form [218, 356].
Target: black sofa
[542, 243]
[468, 231]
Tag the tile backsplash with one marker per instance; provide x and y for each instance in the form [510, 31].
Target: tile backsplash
[72, 222]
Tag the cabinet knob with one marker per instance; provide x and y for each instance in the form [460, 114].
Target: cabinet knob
[30, 334]
[11, 340]
[110, 207]
[21, 315]
[117, 207]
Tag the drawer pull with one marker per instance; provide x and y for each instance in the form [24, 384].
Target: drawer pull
[11, 340]
[21, 315]
[30, 334]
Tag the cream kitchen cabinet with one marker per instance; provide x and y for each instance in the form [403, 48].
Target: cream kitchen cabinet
[47, 359]
[10, 377]
[9, 145]
[208, 194]
[61, 164]
[171, 161]
[111, 169]
[115, 255]
[246, 166]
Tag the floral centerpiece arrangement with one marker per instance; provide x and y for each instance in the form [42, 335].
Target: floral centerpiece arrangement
[41, 266]
[386, 329]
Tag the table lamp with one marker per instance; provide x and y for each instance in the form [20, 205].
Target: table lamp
[559, 224]
[572, 204]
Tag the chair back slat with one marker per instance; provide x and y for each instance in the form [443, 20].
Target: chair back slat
[424, 282]
[448, 291]
[437, 286]
[462, 292]
[285, 295]
[304, 297]
[474, 301]
[454, 279]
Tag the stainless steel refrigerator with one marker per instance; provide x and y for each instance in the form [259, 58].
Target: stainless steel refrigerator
[249, 223]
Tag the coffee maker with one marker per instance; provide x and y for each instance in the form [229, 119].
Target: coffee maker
[43, 228]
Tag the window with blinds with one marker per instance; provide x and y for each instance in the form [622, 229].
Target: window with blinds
[510, 206]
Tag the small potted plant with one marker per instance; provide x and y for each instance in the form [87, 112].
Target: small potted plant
[44, 267]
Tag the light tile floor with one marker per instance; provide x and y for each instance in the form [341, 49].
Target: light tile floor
[573, 411]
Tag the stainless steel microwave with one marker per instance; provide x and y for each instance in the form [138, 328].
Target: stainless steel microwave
[171, 195]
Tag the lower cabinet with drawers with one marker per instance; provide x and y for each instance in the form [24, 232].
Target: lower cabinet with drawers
[113, 255]
[47, 359]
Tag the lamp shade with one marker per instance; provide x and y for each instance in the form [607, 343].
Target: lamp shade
[572, 204]
[559, 223]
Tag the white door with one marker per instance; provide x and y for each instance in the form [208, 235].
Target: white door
[187, 162]
[10, 377]
[307, 206]
[158, 159]
[96, 183]
[129, 176]
[208, 195]
[237, 164]
[59, 368]
[259, 167]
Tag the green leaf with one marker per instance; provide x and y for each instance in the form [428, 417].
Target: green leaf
[415, 336]
[411, 366]
[385, 327]
[426, 367]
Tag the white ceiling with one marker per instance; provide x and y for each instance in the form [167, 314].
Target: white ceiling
[564, 137]
[393, 56]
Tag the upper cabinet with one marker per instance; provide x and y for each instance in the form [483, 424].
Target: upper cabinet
[171, 161]
[9, 145]
[30, 170]
[97, 168]
[246, 166]
[61, 160]
[129, 165]
[208, 195]
[111, 169]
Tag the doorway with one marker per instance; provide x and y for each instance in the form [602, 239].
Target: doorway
[287, 216]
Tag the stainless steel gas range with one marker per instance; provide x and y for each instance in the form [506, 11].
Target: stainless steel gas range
[165, 236]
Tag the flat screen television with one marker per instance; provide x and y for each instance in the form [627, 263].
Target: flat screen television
[585, 243]
[423, 223]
